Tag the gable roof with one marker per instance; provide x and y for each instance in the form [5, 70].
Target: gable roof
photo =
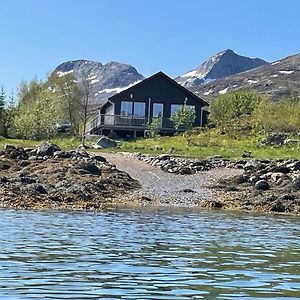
[160, 74]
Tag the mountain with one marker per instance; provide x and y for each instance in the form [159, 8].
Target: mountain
[222, 64]
[278, 79]
[105, 79]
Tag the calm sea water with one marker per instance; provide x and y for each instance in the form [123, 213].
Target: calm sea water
[152, 254]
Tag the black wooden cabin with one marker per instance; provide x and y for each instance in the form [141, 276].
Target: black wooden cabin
[131, 111]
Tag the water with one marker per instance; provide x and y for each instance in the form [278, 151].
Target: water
[154, 254]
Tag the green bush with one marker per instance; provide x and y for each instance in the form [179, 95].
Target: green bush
[233, 105]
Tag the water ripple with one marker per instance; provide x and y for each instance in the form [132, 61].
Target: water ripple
[154, 254]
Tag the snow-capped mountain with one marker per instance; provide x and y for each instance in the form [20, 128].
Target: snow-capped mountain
[104, 79]
[278, 79]
[222, 64]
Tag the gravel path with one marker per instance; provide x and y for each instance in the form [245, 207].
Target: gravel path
[161, 188]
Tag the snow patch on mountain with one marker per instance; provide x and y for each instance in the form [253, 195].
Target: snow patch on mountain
[222, 64]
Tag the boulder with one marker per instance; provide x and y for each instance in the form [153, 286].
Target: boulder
[251, 164]
[87, 168]
[9, 147]
[105, 142]
[276, 139]
[278, 207]
[262, 185]
[47, 149]
[18, 153]
[280, 169]
[294, 186]
[99, 158]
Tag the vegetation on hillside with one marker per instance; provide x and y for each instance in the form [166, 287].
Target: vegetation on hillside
[41, 106]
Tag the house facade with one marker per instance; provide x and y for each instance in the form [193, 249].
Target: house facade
[130, 112]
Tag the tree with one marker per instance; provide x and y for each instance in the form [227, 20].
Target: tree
[37, 112]
[66, 89]
[155, 125]
[185, 117]
[226, 108]
[279, 116]
[85, 103]
[3, 131]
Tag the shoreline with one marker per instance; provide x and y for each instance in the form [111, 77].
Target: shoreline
[79, 181]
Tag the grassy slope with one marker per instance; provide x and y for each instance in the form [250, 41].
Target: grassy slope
[212, 143]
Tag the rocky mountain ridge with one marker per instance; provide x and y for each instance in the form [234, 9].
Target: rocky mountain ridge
[104, 79]
[278, 79]
[223, 64]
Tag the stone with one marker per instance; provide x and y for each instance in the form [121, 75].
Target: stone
[294, 186]
[262, 185]
[9, 147]
[246, 154]
[276, 139]
[99, 158]
[239, 179]
[4, 165]
[188, 191]
[47, 149]
[40, 189]
[276, 176]
[281, 169]
[104, 142]
[251, 164]
[278, 207]
[27, 180]
[287, 197]
[295, 166]
[62, 154]
[87, 168]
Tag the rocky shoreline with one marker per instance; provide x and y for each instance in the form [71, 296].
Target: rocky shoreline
[269, 186]
[49, 178]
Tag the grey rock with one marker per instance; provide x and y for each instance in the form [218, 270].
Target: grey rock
[99, 158]
[105, 142]
[262, 185]
[47, 149]
[276, 139]
[9, 147]
[27, 179]
[87, 168]
[251, 164]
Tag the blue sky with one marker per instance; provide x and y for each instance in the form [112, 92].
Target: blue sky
[169, 35]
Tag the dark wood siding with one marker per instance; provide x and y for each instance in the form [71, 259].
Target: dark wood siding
[160, 89]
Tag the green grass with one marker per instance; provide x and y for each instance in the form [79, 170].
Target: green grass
[212, 143]
[65, 143]
[202, 144]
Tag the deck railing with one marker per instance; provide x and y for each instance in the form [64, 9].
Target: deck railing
[102, 121]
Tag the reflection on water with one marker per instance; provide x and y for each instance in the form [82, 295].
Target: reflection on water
[161, 254]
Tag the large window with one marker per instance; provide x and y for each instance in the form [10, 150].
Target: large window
[158, 110]
[176, 107]
[126, 108]
[139, 109]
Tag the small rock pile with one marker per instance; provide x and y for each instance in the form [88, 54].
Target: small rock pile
[267, 185]
[47, 177]
[183, 166]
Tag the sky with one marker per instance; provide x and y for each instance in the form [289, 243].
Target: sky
[173, 36]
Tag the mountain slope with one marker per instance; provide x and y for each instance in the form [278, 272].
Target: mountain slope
[105, 80]
[278, 79]
[222, 64]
